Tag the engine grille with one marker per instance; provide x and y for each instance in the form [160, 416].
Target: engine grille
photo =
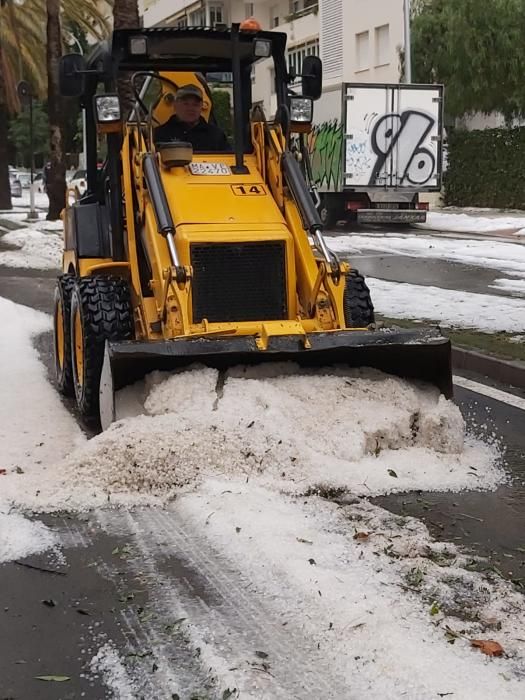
[239, 281]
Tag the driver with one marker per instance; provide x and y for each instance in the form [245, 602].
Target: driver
[189, 125]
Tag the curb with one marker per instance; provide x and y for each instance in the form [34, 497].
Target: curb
[508, 372]
[10, 225]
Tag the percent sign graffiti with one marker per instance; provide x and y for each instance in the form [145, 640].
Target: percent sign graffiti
[404, 134]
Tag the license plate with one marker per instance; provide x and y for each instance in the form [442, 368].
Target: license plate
[209, 169]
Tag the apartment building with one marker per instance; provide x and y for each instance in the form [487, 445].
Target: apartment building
[358, 40]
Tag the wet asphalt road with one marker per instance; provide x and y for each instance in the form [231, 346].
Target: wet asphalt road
[54, 620]
[423, 271]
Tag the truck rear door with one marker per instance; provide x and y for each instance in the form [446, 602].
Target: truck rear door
[393, 136]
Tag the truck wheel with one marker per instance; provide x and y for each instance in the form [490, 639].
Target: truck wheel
[329, 213]
[100, 310]
[359, 310]
[62, 334]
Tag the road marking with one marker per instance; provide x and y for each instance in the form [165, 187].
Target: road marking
[490, 391]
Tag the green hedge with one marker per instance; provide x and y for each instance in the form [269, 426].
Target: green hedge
[486, 168]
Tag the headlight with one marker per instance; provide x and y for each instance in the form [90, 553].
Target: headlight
[107, 108]
[301, 110]
[262, 48]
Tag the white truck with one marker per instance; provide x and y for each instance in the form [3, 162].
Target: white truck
[374, 148]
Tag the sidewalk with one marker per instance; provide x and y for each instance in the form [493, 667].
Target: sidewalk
[479, 222]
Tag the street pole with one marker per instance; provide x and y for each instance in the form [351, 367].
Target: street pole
[408, 43]
[25, 93]
[32, 212]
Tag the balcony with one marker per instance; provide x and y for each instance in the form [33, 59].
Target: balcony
[301, 26]
[313, 8]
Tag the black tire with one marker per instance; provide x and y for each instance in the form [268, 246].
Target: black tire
[359, 310]
[330, 212]
[62, 334]
[100, 310]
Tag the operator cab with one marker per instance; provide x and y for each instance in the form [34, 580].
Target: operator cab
[158, 61]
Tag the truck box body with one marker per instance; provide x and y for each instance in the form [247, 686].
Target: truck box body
[375, 147]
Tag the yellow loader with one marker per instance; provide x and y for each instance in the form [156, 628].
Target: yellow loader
[174, 257]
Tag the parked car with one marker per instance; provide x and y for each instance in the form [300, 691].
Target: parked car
[15, 184]
[25, 179]
[79, 181]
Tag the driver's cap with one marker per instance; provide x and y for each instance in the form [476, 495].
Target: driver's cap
[189, 91]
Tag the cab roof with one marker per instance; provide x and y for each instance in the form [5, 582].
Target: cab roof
[191, 48]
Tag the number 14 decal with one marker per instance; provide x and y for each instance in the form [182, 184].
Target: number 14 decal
[248, 189]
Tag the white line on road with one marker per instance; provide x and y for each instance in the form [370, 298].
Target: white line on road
[490, 391]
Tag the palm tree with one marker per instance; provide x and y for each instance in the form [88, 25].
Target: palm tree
[125, 16]
[56, 179]
[23, 39]
[5, 188]
[22, 54]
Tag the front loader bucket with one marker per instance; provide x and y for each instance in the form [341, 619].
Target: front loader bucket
[423, 355]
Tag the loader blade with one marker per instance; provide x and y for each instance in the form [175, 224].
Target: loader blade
[422, 355]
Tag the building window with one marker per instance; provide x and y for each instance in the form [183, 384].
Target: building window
[382, 45]
[297, 54]
[216, 14]
[248, 10]
[197, 18]
[295, 6]
[362, 49]
[182, 23]
[274, 16]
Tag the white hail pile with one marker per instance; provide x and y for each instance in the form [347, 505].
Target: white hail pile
[354, 429]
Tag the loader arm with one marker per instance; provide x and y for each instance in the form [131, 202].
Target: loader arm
[320, 280]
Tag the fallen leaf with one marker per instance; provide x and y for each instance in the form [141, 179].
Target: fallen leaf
[392, 473]
[3, 472]
[56, 679]
[361, 536]
[435, 609]
[488, 646]
[19, 470]
[261, 654]
[49, 602]
[312, 562]
[303, 541]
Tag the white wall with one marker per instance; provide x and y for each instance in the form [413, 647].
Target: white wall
[360, 40]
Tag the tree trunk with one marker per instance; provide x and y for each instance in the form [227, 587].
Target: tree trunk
[125, 16]
[56, 185]
[5, 188]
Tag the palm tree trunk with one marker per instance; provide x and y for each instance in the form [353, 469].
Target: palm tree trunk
[125, 16]
[56, 185]
[5, 188]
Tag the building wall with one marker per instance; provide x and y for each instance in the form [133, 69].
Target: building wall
[360, 40]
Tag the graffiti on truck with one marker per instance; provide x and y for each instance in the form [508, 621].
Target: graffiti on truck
[399, 138]
[325, 143]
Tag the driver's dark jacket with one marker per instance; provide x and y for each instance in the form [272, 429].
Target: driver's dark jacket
[204, 137]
